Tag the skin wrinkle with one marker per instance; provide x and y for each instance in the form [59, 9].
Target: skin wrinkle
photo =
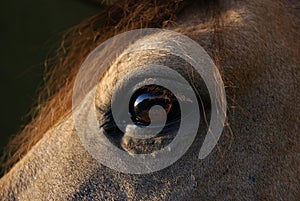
[126, 64]
[261, 58]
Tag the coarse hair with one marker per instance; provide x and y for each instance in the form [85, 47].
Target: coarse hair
[54, 100]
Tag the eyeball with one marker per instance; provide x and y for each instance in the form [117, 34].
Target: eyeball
[146, 101]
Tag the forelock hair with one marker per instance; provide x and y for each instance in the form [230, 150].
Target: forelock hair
[54, 101]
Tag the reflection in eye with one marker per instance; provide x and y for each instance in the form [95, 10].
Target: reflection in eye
[142, 100]
[151, 95]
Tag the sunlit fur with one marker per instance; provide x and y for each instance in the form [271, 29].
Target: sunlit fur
[54, 102]
[255, 44]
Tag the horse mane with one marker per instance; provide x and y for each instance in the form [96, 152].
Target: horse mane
[54, 101]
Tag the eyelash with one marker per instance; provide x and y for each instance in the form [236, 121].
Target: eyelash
[108, 121]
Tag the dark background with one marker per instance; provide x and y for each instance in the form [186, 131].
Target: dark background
[29, 31]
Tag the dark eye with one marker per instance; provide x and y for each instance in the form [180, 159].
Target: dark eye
[152, 95]
[142, 100]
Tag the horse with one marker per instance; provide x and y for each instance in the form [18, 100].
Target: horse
[255, 46]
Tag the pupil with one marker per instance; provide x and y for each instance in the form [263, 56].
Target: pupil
[148, 96]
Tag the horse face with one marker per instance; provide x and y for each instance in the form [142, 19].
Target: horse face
[255, 46]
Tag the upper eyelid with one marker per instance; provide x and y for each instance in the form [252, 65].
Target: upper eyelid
[129, 62]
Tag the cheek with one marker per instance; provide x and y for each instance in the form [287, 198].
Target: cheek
[180, 181]
[174, 182]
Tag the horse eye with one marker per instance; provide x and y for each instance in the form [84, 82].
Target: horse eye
[140, 104]
[148, 96]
